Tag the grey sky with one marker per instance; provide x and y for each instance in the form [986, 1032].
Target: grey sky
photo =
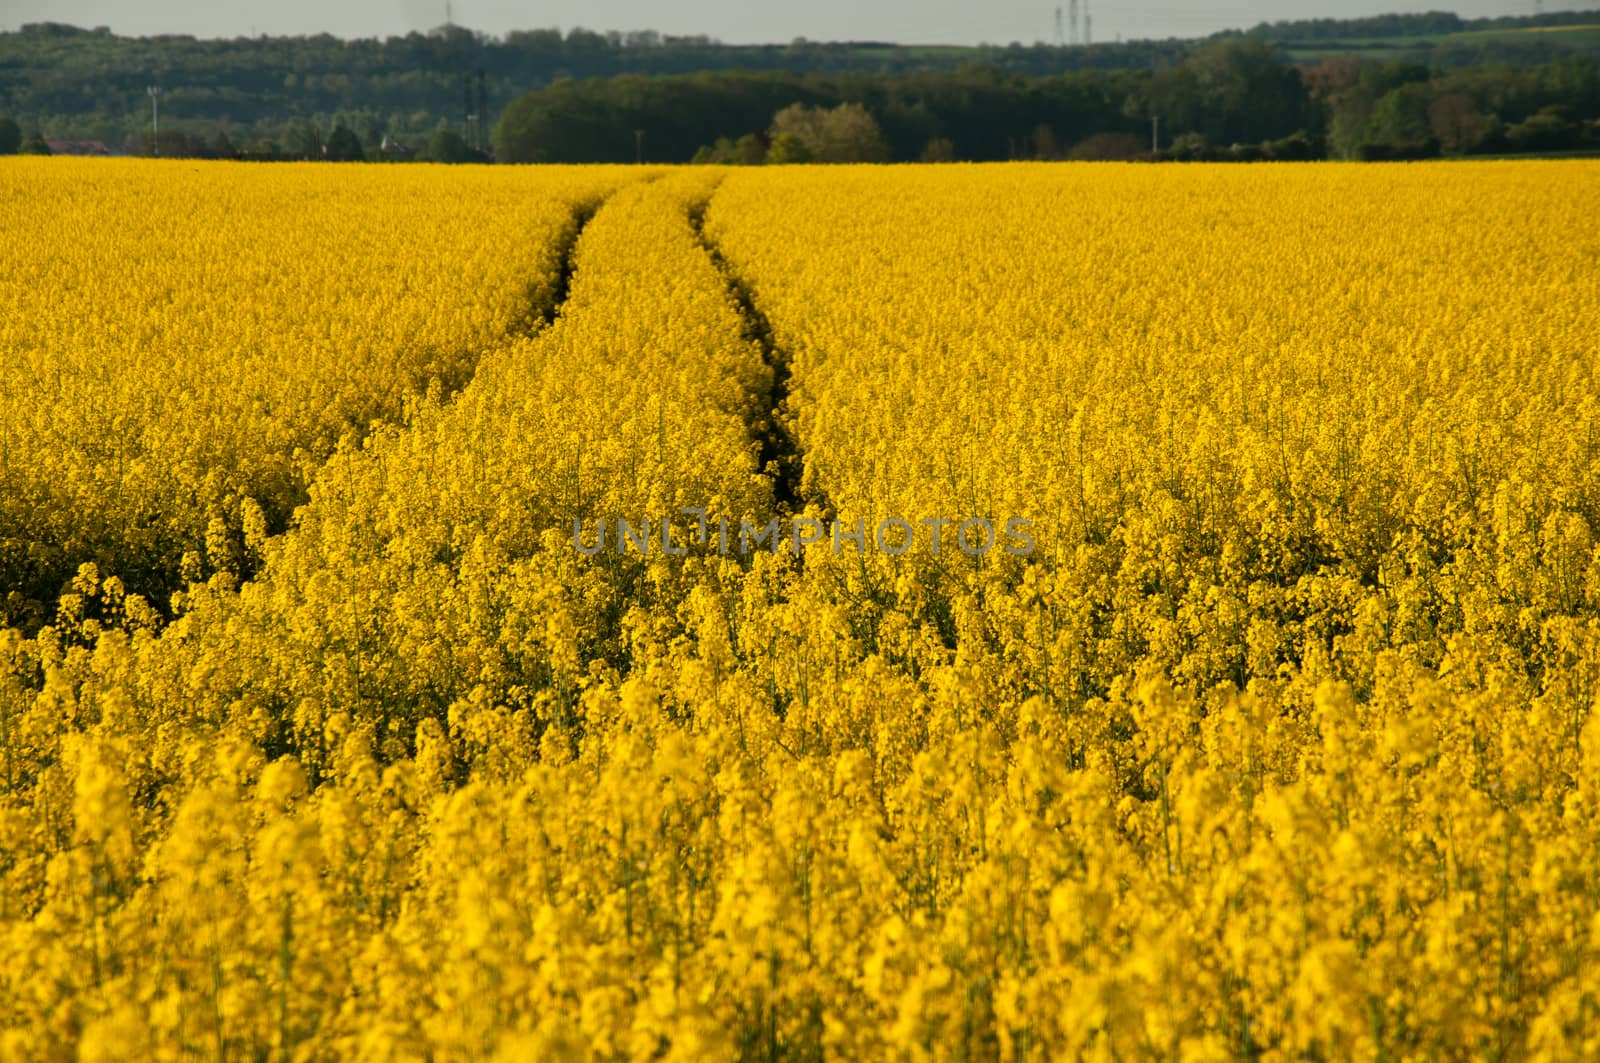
[908, 21]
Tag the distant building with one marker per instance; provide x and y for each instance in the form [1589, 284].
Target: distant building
[395, 149]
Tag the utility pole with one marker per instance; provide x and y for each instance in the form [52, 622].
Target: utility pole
[1087, 37]
[154, 92]
[1072, 23]
[638, 147]
[1155, 134]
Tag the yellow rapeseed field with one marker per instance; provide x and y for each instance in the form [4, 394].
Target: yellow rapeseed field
[183, 343]
[1244, 707]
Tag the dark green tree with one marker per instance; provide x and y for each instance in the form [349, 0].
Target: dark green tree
[344, 146]
[1352, 103]
[787, 148]
[1230, 92]
[1549, 130]
[749, 150]
[448, 146]
[304, 141]
[10, 136]
[1400, 118]
[223, 147]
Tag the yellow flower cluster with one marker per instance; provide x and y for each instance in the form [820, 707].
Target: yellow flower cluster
[181, 345]
[1280, 742]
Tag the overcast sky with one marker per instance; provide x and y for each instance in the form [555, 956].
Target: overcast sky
[734, 21]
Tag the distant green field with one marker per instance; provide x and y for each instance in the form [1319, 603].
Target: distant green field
[1580, 34]
[1586, 36]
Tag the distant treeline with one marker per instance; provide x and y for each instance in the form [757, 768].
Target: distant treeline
[65, 82]
[984, 114]
[1230, 99]
[261, 95]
